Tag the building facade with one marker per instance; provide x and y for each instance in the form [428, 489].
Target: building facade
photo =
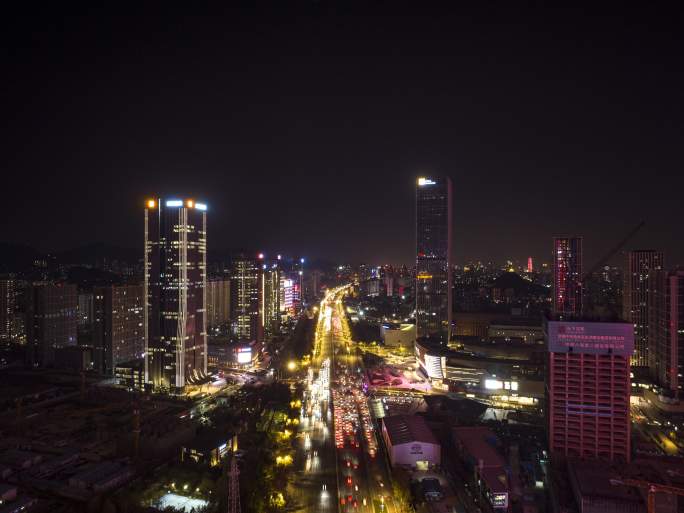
[433, 259]
[246, 283]
[666, 330]
[637, 288]
[588, 389]
[567, 276]
[270, 299]
[51, 321]
[7, 306]
[118, 326]
[218, 303]
[175, 288]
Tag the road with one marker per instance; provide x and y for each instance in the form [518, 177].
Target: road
[363, 478]
[338, 468]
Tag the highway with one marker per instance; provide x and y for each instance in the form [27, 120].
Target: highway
[363, 480]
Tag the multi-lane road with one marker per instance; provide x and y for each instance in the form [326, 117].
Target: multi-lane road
[340, 464]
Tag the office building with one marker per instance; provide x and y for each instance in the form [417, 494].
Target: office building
[218, 303]
[7, 306]
[433, 258]
[567, 276]
[637, 287]
[118, 326]
[270, 299]
[175, 286]
[588, 389]
[85, 309]
[51, 321]
[246, 284]
[666, 330]
[289, 294]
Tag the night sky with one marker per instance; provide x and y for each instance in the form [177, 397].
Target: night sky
[304, 129]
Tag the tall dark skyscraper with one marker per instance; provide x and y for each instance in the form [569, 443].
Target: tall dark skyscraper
[637, 288]
[567, 276]
[433, 258]
[51, 321]
[666, 330]
[175, 288]
[7, 306]
[118, 326]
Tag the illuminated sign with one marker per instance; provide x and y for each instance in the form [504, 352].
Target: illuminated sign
[244, 355]
[425, 181]
[493, 384]
[174, 203]
[424, 276]
[200, 206]
[499, 500]
[591, 337]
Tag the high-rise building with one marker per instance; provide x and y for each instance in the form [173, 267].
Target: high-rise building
[246, 284]
[636, 290]
[289, 295]
[7, 306]
[218, 303]
[51, 321]
[567, 276]
[433, 258]
[270, 299]
[666, 330]
[588, 389]
[118, 326]
[530, 265]
[85, 309]
[175, 287]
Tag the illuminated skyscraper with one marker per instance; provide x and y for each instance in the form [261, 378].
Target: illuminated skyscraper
[637, 287]
[246, 276]
[567, 276]
[7, 306]
[175, 288]
[666, 330]
[433, 258]
[270, 299]
[588, 389]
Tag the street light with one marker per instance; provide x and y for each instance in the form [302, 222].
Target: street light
[291, 365]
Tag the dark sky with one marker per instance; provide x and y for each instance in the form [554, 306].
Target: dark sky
[304, 129]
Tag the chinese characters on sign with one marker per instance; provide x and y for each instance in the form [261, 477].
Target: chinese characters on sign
[591, 337]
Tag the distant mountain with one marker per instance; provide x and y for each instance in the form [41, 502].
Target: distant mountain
[17, 258]
[520, 285]
[96, 253]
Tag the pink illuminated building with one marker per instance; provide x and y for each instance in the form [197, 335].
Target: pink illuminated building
[567, 276]
[588, 388]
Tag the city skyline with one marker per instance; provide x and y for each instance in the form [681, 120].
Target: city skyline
[342, 257]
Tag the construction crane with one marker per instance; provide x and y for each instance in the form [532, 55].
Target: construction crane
[651, 488]
[613, 250]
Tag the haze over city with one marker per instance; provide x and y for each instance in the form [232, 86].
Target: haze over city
[342, 258]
